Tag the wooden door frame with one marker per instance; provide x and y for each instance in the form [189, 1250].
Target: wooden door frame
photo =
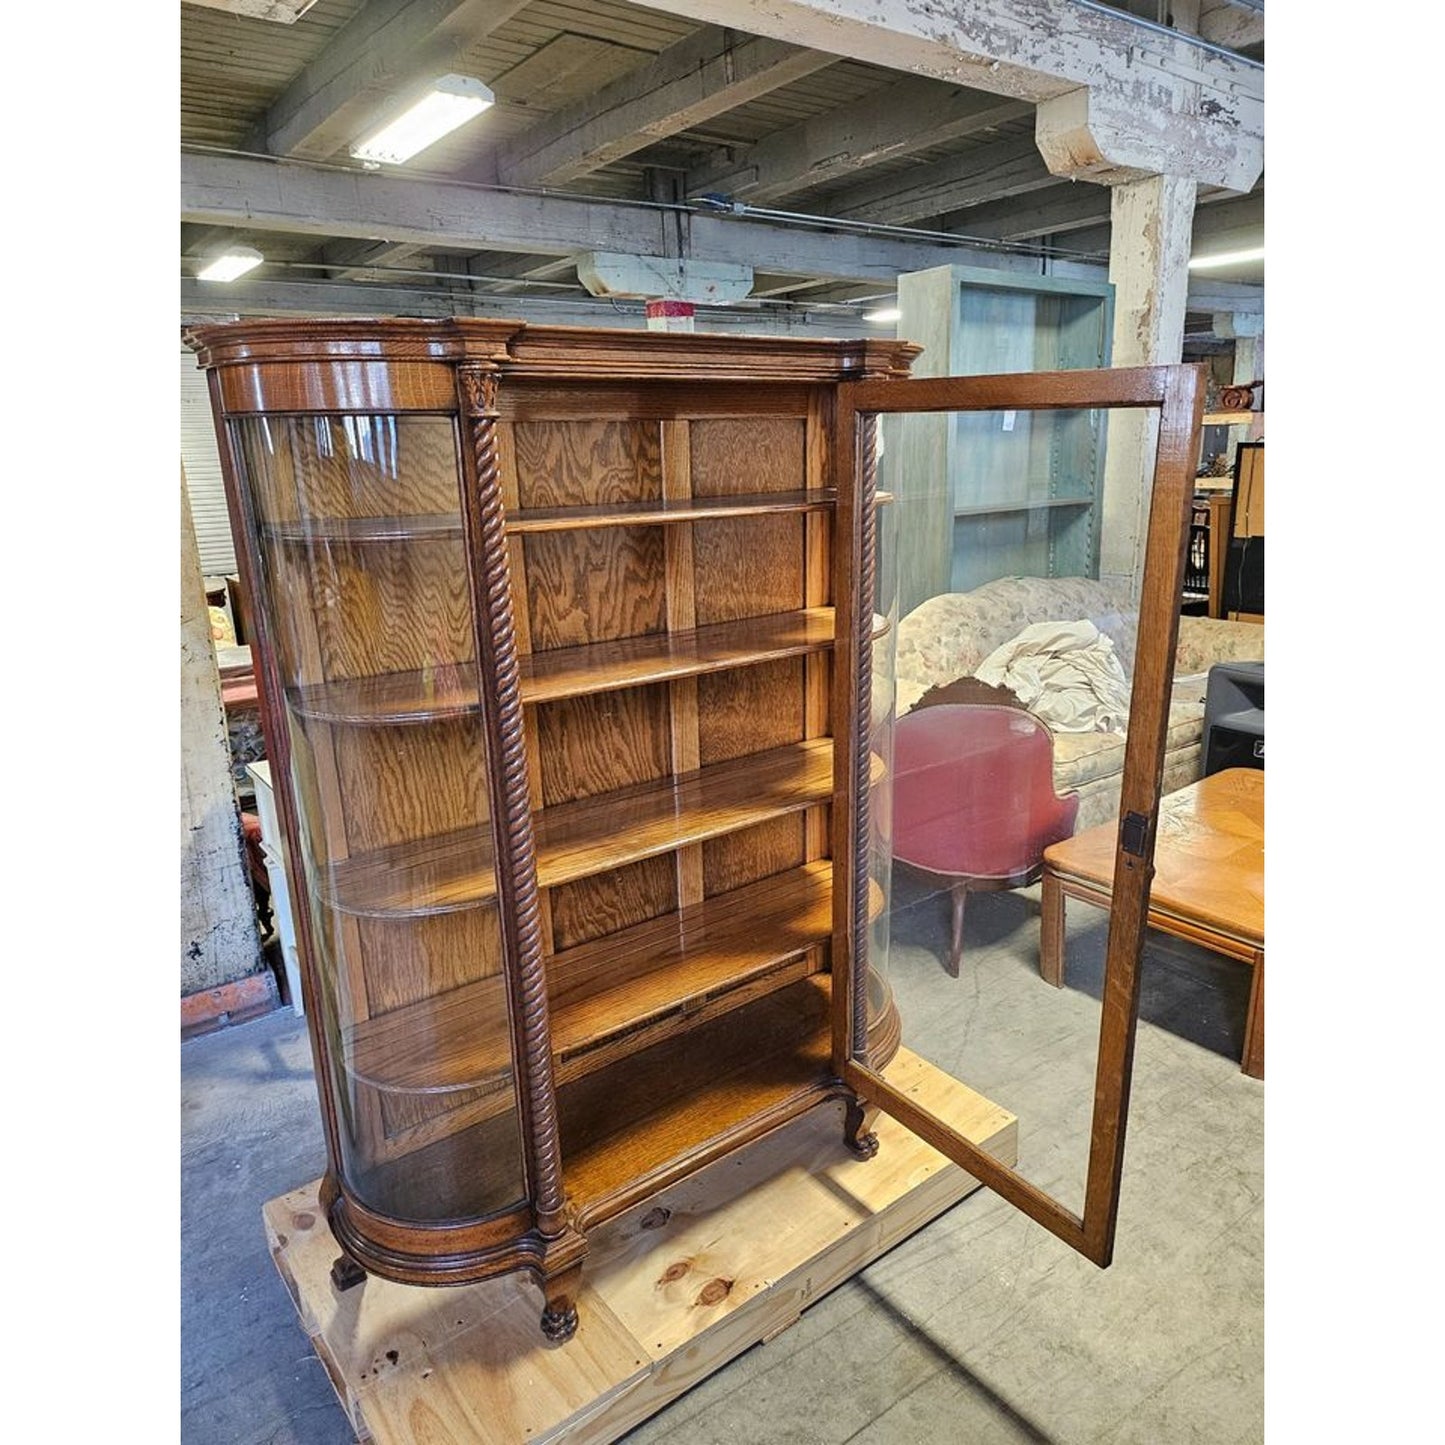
[1177, 394]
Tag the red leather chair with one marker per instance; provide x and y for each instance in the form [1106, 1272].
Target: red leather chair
[973, 800]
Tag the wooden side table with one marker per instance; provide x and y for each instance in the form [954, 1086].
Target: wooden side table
[1208, 882]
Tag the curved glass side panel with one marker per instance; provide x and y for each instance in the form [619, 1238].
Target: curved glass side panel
[364, 588]
[878, 998]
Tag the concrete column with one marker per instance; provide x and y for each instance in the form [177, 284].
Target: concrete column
[1152, 221]
[220, 941]
[1247, 332]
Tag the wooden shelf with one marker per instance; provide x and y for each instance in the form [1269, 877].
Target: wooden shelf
[667, 973]
[406, 880]
[451, 690]
[1000, 508]
[592, 835]
[1229, 418]
[460, 1039]
[605, 666]
[626, 1127]
[651, 513]
[424, 527]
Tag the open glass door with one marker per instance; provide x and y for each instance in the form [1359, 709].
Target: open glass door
[1012, 704]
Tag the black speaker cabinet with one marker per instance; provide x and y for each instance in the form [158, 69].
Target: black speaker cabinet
[1234, 717]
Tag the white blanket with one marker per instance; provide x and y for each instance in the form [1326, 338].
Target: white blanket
[1067, 673]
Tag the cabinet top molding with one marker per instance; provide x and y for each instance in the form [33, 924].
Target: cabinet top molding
[572, 351]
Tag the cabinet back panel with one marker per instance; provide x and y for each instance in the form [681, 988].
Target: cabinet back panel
[376, 609]
[401, 783]
[594, 586]
[747, 567]
[355, 466]
[749, 709]
[598, 743]
[561, 464]
[409, 959]
[593, 907]
[404, 1117]
[737, 457]
[738, 858]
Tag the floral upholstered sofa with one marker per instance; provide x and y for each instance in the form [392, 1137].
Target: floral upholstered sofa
[950, 636]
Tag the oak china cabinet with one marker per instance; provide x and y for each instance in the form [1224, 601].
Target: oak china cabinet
[566, 640]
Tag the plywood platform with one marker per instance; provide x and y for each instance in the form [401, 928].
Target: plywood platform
[672, 1290]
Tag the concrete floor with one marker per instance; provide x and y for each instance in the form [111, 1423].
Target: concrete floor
[981, 1328]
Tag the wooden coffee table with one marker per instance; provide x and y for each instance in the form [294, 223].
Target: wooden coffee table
[1208, 882]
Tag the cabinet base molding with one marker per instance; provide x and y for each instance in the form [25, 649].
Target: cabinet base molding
[673, 1288]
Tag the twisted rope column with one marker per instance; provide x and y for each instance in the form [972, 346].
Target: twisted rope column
[863, 729]
[512, 813]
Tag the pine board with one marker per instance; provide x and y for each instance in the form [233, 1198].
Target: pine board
[672, 1289]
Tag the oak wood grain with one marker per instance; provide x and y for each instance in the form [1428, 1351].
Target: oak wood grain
[589, 587]
[412, 960]
[588, 908]
[586, 463]
[749, 710]
[748, 567]
[771, 847]
[752, 454]
[402, 783]
[602, 742]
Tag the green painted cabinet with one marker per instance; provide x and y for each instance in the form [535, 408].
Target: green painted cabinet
[993, 494]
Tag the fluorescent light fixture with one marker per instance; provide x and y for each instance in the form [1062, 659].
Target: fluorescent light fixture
[230, 264]
[452, 101]
[883, 314]
[1226, 258]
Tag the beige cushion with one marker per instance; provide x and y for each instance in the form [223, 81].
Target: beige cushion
[1080, 758]
[948, 636]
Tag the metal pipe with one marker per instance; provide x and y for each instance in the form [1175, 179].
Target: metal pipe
[1115, 13]
[721, 206]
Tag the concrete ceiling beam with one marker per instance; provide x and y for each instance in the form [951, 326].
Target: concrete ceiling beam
[1116, 100]
[273, 297]
[677, 278]
[295, 197]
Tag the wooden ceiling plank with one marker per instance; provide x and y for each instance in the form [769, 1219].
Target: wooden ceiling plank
[385, 48]
[698, 77]
[908, 116]
[984, 173]
[566, 68]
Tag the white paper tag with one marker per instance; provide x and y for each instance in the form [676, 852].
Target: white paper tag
[1008, 420]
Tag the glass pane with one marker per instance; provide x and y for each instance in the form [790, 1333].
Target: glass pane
[365, 589]
[1002, 698]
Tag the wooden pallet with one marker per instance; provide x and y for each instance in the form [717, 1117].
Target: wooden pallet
[673, 1289]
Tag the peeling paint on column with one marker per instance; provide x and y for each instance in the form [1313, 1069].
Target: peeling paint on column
[1152, 224]
[219, 937]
